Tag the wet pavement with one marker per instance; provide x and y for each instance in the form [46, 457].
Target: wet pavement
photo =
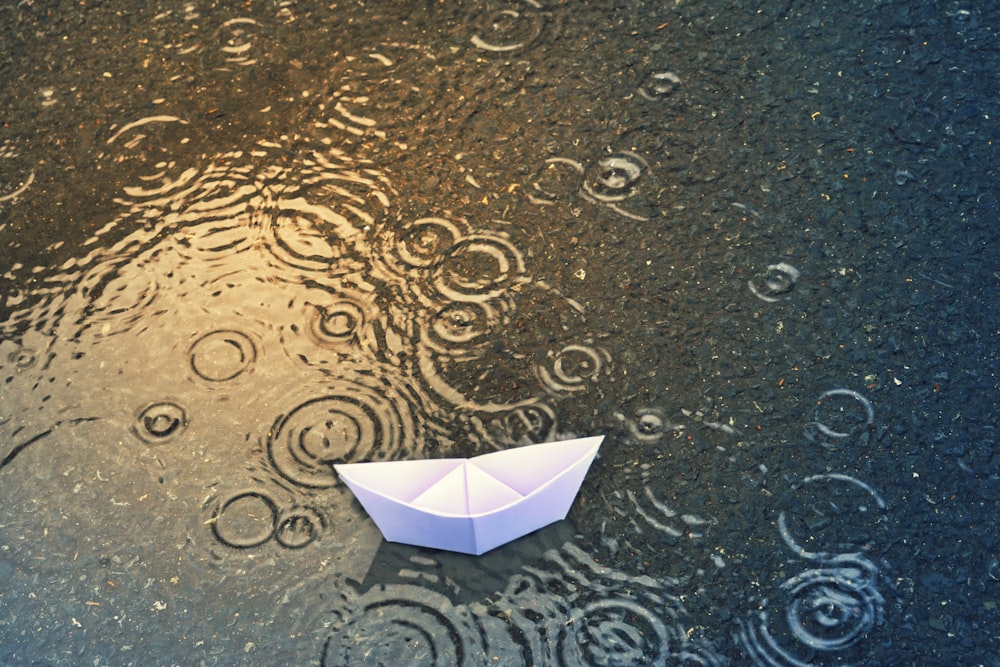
[753, 243]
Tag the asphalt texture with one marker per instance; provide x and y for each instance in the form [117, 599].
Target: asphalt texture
[754, 244]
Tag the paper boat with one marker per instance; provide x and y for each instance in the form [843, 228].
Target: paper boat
[472, 505]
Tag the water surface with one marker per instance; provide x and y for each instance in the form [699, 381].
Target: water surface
[752, 243]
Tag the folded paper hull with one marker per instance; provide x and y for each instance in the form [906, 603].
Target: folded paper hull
[472, 505]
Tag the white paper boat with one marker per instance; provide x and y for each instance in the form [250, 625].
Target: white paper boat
[472, 505]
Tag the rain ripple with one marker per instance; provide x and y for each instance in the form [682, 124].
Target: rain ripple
[146, 148]
[237, 38]
[833, 606]
[12, 187]
[599, 615]
[833, 602]
[444, 260]
[659, 85]
[649, 425]
[221, 356]
[160, 422]
[390, 92]
[355, 418]
[344, 318]
[402, 624]
[572, 368]
[565, 610]
[479, 267]
[423, 243]
[559, 178]
[841, 416]
[774, 284]
[614, 178]
[827, 610]
[622, 181]
[524, 425]
[509, 29]
[463, 330]
[266, 310]
[251, 518]
[245, 520]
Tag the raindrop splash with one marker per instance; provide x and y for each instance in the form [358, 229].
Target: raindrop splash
[352, 421]
[237, 38]
[614, 178]
[160, 422]
[573, 368]
[775, 284]
[298, 527]
[659, 85]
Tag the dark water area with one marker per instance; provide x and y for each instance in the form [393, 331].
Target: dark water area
[752, 243]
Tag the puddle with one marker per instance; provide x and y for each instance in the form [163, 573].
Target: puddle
[240, 248]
